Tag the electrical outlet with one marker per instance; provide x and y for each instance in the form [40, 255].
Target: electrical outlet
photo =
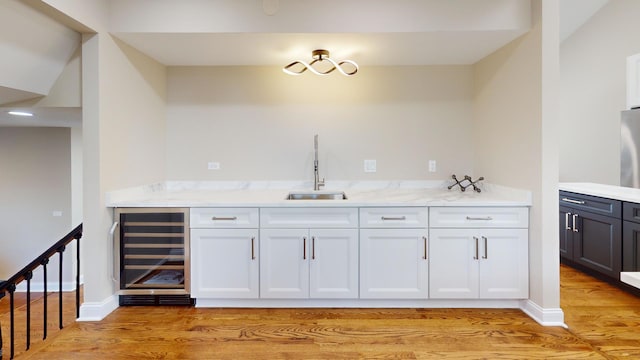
[213, 165]
[432, 166]
[57, 213]
[370, 166]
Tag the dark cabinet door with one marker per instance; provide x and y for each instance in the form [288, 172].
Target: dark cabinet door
[630, 246]
[598, 243]
[566, 236]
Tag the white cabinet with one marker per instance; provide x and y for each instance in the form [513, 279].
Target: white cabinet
[224, 263]
[299, 262]
[224, 256]
[394, 253]
[484, 262]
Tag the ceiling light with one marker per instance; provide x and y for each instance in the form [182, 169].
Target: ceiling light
[20, 113]
[318, 57]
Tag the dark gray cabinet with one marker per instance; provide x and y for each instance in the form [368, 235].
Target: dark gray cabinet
[630, 237]
[566, 233]
[591, 232]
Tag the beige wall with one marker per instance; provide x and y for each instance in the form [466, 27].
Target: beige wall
[515, 137]
[35, 181]
[259, 123]
[593, 92]
[123, 143]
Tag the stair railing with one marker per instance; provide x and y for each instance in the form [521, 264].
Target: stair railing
[26, 274]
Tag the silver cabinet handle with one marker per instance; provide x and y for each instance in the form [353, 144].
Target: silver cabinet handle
[486, 254]
[393, 218]
[253, 248]
[424, 239]
[574, 217]
[566, 221]
[304, 248]
[579, 202]
[313, 248]
[485, 218]
[229, 218]
[476, 257]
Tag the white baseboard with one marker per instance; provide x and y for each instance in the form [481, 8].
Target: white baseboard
[96, 311]
[51, 286]
[545, 317]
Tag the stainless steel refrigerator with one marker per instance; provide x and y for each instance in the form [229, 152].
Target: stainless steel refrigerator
[630, 148]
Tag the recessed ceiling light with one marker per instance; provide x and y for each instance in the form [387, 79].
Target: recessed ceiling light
[20, 113]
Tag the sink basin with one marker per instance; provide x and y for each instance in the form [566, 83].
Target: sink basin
[317, 195]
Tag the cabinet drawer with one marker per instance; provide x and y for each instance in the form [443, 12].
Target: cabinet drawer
[224, 218]
[631, 212]
[309, 217]
[479, 217]
[594, 204]
[393, 217]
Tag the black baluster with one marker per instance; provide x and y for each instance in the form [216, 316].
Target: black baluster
[12, 289]
[28, 276]
[60, 251]
[1, 296]
[77, 237]
[44, 263]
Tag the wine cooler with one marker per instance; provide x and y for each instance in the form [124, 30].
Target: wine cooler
[153, 256]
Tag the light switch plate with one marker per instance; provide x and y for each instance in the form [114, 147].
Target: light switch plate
[213, 165]
[370, 166]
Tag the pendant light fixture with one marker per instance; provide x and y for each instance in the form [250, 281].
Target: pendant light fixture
[318, 57]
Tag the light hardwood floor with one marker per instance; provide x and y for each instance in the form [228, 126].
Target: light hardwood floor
[604, 323]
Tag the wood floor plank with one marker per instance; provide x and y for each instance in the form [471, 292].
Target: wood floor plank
[603, 324]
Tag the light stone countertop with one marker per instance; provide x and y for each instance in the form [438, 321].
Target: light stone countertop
[605, 191]
[273, 194]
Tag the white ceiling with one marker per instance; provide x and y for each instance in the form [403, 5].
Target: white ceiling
[373, 49]
[276, 32]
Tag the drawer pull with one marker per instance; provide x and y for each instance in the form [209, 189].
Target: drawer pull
[393, 218]
[231, 218]
[485, 218]
[579, 202]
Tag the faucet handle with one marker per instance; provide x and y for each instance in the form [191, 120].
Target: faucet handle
[321, 183]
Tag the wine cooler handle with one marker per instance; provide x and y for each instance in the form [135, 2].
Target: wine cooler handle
[112, 234]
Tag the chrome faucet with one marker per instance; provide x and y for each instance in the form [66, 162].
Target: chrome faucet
[317, 183]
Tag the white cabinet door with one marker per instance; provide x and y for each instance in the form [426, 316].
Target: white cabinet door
[453, 269]
[504, 264]
[224, 263]
[284, 267]
[334, 264]
[393, 264]
[478, 263]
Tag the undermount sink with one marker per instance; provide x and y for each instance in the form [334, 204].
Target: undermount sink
[317, 195]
